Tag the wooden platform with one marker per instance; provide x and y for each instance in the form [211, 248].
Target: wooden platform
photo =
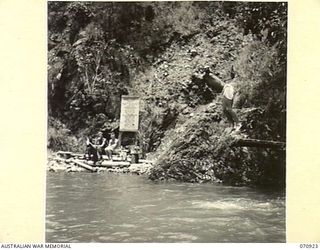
[116, 163]
[112, 164]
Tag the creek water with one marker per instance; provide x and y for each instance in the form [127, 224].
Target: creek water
[109, 207]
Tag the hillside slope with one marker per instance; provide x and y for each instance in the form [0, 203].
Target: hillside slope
[158, 51]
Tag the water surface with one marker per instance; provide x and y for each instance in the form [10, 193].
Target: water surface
[108, 207]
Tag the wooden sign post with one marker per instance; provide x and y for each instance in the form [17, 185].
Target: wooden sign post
[129, 116]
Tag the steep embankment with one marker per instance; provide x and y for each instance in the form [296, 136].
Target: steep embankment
[199, 149]
[171, 85]
[190, 138]
[158, 50]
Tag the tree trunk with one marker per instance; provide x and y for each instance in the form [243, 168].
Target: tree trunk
[259, 143]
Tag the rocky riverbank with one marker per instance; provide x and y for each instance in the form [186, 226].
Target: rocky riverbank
[57, 164]
[200, 150]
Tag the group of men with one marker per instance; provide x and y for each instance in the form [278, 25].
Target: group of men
[99, 146]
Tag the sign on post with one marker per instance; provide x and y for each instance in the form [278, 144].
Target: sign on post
[129, 116]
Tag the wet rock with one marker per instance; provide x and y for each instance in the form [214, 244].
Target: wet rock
[126, 170]
[140, 168]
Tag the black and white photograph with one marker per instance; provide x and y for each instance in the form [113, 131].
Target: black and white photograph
[166, 122]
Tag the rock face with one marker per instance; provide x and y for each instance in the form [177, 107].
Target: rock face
[199, 150]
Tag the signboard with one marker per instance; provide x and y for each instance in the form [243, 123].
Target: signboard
[129, 117]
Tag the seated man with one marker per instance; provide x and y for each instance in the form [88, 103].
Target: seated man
[112, 145]
[95, 149]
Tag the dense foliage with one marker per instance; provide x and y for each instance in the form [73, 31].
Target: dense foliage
[98, 51]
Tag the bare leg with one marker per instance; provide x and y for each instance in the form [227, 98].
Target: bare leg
[98, 155]
[109, 154]
[233, 117]
[229, 113]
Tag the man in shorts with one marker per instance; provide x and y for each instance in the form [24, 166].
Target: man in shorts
[112, 145]
[227, 101]
[228, 93]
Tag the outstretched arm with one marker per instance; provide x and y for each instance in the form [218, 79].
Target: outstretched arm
[89, 143]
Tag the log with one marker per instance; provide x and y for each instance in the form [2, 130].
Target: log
[259, 143]
[58, 159]
[113, 164]
[84, 165]
[213, 82]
